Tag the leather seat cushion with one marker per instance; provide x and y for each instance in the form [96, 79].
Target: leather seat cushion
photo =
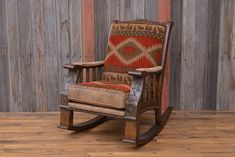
[100, 93]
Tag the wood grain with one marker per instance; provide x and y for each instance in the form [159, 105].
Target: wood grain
[196, 36]
[39, 55]
[175, 48]
[88, 30]
[4, 61]
[164, 15]
[37, 38]
[226, 73]
[151, 9]
[27, 134]
[15, 103]
[52, 55]
[138, 9]
[213, 52]
[29, 99]
[75, 14]
[126, 10]
[101, 28]
[63, 37]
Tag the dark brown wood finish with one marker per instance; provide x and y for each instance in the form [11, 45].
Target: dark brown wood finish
[145, 95]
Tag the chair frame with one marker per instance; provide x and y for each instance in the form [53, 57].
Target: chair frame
[137, 102]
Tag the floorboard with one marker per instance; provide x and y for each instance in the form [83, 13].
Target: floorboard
[186, 134]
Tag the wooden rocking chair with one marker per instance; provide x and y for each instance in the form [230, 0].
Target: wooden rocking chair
[127, 83]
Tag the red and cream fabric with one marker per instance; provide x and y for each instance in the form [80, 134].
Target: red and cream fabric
[134, 45]
[131, 45]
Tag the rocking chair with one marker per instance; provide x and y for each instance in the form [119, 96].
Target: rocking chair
[126, 84]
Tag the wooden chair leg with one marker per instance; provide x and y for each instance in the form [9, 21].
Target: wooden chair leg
[157, 116]
[66, 118]
[132, 134]
[131, 131]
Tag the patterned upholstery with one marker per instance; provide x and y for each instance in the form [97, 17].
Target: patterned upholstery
[132, 45]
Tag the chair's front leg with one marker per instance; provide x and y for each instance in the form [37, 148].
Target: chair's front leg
[131, 132]
[66, 115]
[66, 118]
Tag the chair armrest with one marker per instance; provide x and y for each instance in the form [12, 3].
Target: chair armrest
[157, 69]
[146, 71]
[76, 65]
[137, 73]
[89, 64]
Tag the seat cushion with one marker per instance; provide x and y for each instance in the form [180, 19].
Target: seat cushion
[100, 93]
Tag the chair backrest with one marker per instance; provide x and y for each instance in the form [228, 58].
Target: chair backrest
[134, 44]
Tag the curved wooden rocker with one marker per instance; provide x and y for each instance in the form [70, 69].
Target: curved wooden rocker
[86, 125]
[153, 131]
[120, 91]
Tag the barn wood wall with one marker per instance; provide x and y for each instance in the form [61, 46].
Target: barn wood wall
[38, 37]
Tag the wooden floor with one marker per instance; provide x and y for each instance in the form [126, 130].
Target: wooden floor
[206, 134]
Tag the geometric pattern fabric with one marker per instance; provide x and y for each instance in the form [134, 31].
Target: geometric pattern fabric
[133, 45]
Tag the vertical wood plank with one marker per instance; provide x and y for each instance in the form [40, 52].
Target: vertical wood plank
[151, 9]
[37, 37]
[138, 9]
[63, 38]
[175, 48]
[164, 15]
[187, 54]
[88, 29]
[4, 61]
[226, 72]
[163, 10]
[14, 56]
[39, 55]
[75, 16]
[126, 8]
[105, 12]
[101, 28]
[213, 50]
[4, 90]
[52, 55]
[113, 12]
[200, 53]
[26, 57]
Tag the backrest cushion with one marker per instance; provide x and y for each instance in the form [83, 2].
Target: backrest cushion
[131, 45]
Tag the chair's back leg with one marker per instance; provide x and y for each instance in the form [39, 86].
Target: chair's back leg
[157, 116]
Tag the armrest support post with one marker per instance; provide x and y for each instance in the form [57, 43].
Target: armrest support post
[135, 95]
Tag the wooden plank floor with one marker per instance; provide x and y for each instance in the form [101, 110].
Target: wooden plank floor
[206, 134]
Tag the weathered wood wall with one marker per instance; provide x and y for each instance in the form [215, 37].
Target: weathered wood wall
[38, 36]
[202, 54]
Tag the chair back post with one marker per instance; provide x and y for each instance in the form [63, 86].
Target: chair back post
[165, 49]
[166, 43]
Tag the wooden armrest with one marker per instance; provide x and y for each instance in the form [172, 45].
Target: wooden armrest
[89, 64]
[145, 71]
[156, 69]
[137, 73]
[69, 66]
